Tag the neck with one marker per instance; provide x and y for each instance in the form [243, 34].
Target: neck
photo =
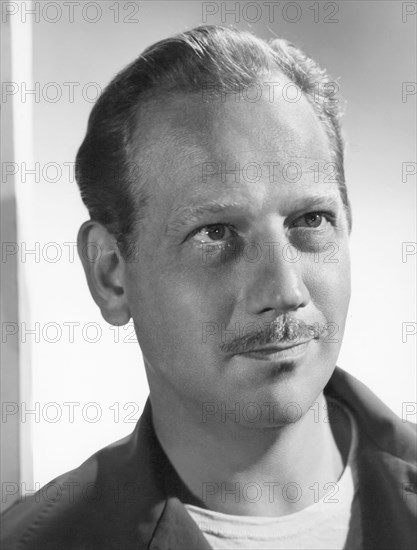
[252, 471]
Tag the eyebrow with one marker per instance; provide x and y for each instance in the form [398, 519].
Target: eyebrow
[189, 214]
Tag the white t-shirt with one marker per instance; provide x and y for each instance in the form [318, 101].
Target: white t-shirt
[325, 525]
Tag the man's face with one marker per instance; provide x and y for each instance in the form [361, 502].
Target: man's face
[245, 226]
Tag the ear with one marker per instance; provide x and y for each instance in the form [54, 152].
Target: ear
[105, 271]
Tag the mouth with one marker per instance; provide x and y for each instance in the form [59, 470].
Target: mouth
[278, 352]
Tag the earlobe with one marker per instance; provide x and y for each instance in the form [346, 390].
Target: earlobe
[105, 271]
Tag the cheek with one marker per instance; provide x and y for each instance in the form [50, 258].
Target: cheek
[198, 301]
[181, 308]
[328, 282]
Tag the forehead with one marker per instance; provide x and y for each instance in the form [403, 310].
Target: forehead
[198, 148]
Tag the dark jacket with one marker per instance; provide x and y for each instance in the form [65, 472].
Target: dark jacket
[127, 496]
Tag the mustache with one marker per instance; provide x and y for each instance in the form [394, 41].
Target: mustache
[282, 330]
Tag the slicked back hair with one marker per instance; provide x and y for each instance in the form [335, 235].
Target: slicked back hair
[221, 58]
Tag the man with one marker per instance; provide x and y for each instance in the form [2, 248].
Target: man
[212, 170]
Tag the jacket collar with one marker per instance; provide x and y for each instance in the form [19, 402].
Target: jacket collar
[386, 468]
[164, 521]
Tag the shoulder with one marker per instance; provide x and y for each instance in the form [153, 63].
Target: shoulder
[45, 520]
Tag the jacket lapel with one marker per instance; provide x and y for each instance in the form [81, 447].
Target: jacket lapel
[164, 521]
[386, 462]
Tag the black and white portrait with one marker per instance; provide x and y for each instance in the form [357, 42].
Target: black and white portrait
[208, 275]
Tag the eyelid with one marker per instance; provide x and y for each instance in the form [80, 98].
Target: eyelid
[207, 225]
[330, 216]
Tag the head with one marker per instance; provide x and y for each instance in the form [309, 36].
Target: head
[218, 203]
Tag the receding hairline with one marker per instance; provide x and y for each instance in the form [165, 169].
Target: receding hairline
[156, 120]
[155, 110]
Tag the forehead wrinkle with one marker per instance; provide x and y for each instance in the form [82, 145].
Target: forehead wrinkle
[277, 156]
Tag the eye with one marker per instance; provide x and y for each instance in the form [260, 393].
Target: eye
[213, 232]
[311, 219]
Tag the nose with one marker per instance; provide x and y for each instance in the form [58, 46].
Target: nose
[277, 284]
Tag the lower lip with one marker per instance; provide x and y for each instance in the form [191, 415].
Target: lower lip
[293, 353]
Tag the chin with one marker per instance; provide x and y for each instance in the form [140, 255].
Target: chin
[277, 393]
